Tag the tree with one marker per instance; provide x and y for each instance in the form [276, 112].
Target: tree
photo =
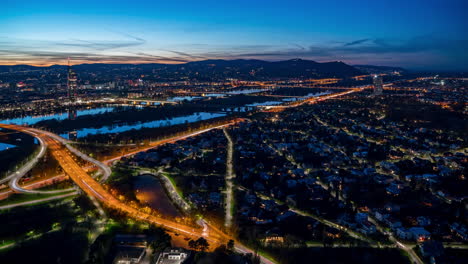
[192, 244]
[230, 244]
[203, 245]
[200, 244]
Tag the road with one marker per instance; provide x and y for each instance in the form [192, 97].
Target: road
[13, 179]
[413, 256]
[35, 185]
[9, 206]
[102, 167]
[229, 180]
[15, 176]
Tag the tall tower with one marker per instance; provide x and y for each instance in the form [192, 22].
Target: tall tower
[71, 83]
[378, 85]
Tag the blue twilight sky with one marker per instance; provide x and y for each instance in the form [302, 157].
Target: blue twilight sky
[417, 34]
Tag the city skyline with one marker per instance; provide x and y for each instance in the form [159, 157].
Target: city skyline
[427, 35]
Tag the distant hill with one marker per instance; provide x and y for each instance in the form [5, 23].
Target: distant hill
[296, 68]
[371, 69]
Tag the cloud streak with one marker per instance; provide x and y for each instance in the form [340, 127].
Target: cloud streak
[102, 45]
[419, 52]
[356, 42]
[414, 52]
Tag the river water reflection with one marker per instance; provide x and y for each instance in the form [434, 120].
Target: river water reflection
[118, 128]
[31, 120]
[149, 190]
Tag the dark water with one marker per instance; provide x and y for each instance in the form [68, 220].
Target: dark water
[150, 191]
[195, 117]
[4, 146]
[31, 120]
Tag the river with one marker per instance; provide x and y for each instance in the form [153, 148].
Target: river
[118, 128]
[31, 120]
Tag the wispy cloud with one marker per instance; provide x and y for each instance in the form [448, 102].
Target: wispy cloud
[187, 55]
[428, 50]
[98, 45]
[48, 57]
[128, 35]
[101, 45]
[356, 42]
[163, 58]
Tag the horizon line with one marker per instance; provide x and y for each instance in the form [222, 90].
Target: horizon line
[169, 62]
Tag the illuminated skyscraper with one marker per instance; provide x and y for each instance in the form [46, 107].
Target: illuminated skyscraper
[378, 85]
[71, 83]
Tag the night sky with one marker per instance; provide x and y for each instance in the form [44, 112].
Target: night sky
[416, 34]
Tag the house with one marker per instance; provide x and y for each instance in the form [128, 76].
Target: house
[419, 234]
[392, 222]
[167, 161]
[291, 200]
[258, 186]
[332, 232]
[391, 207]
[307, 181]
[130, 248]
[215, 198]
[196, 199]
[379, 215]
[265, 176]
[131, 240]
[393, 190]
[173, 256]
[291, 183]
[152, 157]
[361, 217]
[273, 236]
[268, 205]
[369, 171]
[129, 255]
[382, 179]
[250, 199]
[423, 221]
[389, 166]
[460, 230]
[284, 215]
[262, 218]
[368, 228]
[403, 233]
[432, 249]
